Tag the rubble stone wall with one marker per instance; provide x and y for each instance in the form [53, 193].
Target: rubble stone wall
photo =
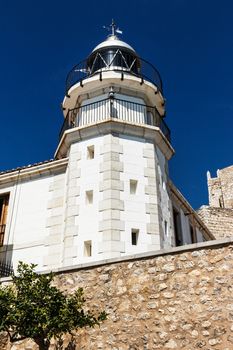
[176, 299]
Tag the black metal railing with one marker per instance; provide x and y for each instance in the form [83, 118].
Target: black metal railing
[2, 232]
[6, 269]
[143, 70]
[115, 108]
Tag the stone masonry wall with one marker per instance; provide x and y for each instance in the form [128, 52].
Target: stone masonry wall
[218, 220]
[221, 188]
[177, 299]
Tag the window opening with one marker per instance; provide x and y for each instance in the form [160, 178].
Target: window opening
[165, 228]
[89, 197]
[90, 152]
[133, 186]
[87, 248]
[177, 227]
[4, 202]
[134, 236]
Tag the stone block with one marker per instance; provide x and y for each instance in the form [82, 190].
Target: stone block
[113, 194]
[113, 147]
[111, 214]
[151, 208]
[151, 190]
[149, 153]
[155, 239]
[75, 173]
[73, 191]
[111, 156]
[57, 211]
[153, 200]
[57, 184]
[151, 164]
[149, 172]
[111, 246]
[56, 230]
[152, 229]
[68, 241]
[54, 220]
[70, 221]
[71, 201]
[107, 204]
[55, 202]
[110, 139]
[111, 165]
[57, 193]
[53, 239]
[72, 183]
[111, 235]
[111, 225]
[111, 185]
[72, 210]
[71, 230]
[111, 175]
[154, 219]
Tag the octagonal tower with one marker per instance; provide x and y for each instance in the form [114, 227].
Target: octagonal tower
[118, 146]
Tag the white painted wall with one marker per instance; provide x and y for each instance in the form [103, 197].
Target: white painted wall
[134, 215]
[26, 222]
[89, 216]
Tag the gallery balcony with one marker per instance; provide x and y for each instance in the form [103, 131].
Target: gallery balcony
[118, 62]
[115, 109]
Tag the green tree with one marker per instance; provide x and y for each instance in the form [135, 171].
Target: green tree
[32, 307]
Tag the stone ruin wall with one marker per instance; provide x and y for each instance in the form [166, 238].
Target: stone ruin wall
[221, 188]
[218, 215]
[218, 220]
[182, 299]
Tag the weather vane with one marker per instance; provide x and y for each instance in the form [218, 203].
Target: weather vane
[113, 29]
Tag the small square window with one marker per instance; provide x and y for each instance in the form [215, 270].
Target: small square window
[89, 197]
[90, 152]
[87, 248]
[133, 184]
[134, 236]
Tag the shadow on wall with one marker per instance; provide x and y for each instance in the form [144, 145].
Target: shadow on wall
[6, 266]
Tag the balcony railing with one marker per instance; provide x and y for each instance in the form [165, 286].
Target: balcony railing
[6, 269]
[131, 112]
[2, 232]
[145, 71]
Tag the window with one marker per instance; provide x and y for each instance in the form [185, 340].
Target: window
[89, 197]
[193, 234]
[133, 186]
[90, 152]
[165, 228]
[87, 248]
[177, 227]
[134, 236]
[4, 201]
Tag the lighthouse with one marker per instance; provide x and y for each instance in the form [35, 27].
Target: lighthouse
[107, 192]
[118, 146]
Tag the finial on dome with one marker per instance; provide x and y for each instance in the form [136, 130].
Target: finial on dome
[113, 29]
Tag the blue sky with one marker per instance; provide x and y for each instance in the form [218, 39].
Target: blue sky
[189, 41]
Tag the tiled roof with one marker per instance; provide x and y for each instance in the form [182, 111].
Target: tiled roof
[26, 166]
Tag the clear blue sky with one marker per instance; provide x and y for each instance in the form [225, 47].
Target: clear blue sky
[189, 41]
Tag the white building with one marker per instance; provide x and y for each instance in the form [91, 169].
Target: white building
[107, 192]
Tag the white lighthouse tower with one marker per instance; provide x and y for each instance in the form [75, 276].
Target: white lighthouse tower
[107, 193]
[118, 147]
